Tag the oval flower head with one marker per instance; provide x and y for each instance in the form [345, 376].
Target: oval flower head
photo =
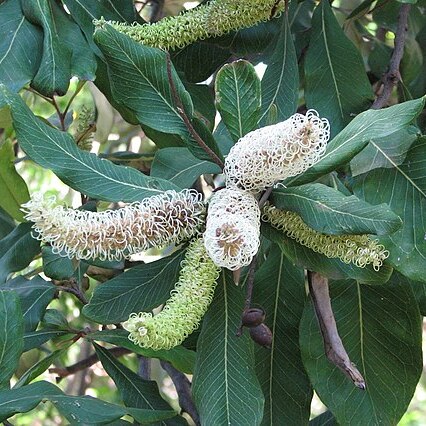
[156, 221]
[184, 310]
[273, 153]
[232, 235]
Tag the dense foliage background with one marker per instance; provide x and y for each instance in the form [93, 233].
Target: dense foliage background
[65, 93]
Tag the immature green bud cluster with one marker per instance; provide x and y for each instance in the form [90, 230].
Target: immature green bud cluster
[356, 249]
[157, 221]
[215, 18]
[187, 305]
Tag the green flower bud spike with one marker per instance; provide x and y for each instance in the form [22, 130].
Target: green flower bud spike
[187, 305]
[208, 20]
[356, 249]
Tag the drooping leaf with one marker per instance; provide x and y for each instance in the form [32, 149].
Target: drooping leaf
[237, 89]
[280, 289]
[381, 330]
[180, 167]
[140, 288]
[280, 83]
[330, 212]
[11, 336]
[403, 188]
[17, 250]
[225, 387]
[34, 339]
[83, 171]
[330, 63]
[20, 46]
[371, 124]
[13, 189]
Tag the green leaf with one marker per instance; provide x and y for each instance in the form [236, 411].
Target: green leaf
[135, 391]
[403, 188]
[21, 46]
[280, 289]
[139, 81]
[55, 318]
[180, 167]
[11, 336]
[203, 98]
[34, 339]
[324, 419]
[371, 124]
[83, 171]
[330, 212]
[181, 358]
[13, 189]
[280, 83]
[225, 387]
[381, 330]
[34, 295]
[330, 267]
[140, 288]
[17, 250]
[237, 89]
[55, 266]
[7, 224]
[330, 63]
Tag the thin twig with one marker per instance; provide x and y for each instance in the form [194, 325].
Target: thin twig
[181, 110]
[75, 291]
[333, 346]
[265, 196]
[144, 369]
[77, 91]
[59, 113]
[392, 76]
[183, 389]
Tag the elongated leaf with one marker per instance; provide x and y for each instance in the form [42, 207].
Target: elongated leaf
[7, 224]
[11, 336]
[181, 358]
[17, 250]
[324, 419]
[330, 212]
[225, 387]
[34, 295]
[141, 288]
[20, 46]
[13, 189]
[280, 290]
[330, 267]
[381, 330]
[371, 124]
[34, 339]
[55, 266]
[330, 63]
[135, 391]
[403, 188]
[237, 88]
[79, 169]
[280, 83]
[180, 167]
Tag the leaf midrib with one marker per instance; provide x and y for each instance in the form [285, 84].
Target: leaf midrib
[13, 40]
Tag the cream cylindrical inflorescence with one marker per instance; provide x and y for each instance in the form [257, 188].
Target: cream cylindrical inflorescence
[357, 249]
[156, 221]
[232, 235]
[187, 305]
[273, 153]
[215, 18]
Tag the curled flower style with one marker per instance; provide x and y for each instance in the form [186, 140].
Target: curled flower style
[232, 235]
[357, 249]
[273, 153]
[187, 305]
[213, 19]
[156, 221]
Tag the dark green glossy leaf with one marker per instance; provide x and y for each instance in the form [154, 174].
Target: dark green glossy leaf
[11, 336]
[7, 224]
[13, 189]
[381, 330]
[34, 339]
[225, 387]
[324, 419]
[17, 250]
[330, 212]
[55, 318]
[140, 288]
[79, 169]
[237, 89]
[330, 63]
[180, 167]
[203, 98]
[55, 266]
[181, 358]
[280, 290]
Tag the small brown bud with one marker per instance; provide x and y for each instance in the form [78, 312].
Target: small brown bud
[262, 335]
[253, 317]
